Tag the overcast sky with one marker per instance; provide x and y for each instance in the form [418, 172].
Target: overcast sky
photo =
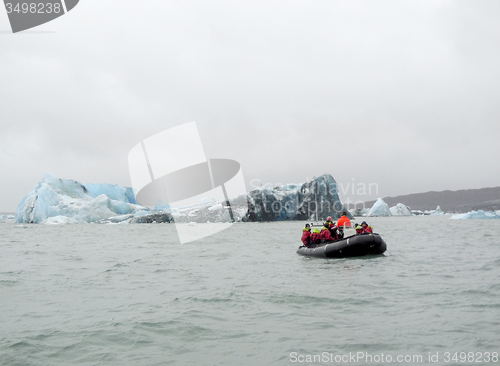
[404, 94]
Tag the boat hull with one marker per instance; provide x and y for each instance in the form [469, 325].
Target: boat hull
[353, 246]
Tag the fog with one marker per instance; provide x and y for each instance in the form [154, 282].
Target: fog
[400, 95]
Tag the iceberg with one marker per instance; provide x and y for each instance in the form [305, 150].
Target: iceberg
[379, 208]
[158, 217]
[313, 200]
[211, 212]
[418, 213]
[477, 215]
[63, 201]
[57, 198]
[400, 210]
[437, 212]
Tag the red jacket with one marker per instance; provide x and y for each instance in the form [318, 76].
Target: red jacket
[306, 237]
[368, 230]
[325, 234]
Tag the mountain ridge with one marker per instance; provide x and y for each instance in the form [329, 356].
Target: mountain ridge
[463, 200]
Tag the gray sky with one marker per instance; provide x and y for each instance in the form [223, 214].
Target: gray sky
[402, 94]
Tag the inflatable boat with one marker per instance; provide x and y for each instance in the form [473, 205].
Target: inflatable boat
[352, 246]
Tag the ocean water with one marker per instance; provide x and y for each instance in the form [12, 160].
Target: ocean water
[131, 295]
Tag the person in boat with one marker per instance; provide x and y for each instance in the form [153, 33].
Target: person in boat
[315, 236]
[330, 225]
[325, 234]
[366, 227]
[306, 235]
[359, 230]
[344, 220]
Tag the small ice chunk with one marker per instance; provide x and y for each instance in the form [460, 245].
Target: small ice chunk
[216, 207]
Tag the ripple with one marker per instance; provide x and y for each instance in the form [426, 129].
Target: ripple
[95, 295]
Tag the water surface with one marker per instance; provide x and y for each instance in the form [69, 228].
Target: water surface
[130, 294]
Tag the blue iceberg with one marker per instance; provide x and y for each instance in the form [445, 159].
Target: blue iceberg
[313, 200]
[437, 212]
[68, 201]
[379, 208]
[64, 201]
[400, 210]
[477, 215]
